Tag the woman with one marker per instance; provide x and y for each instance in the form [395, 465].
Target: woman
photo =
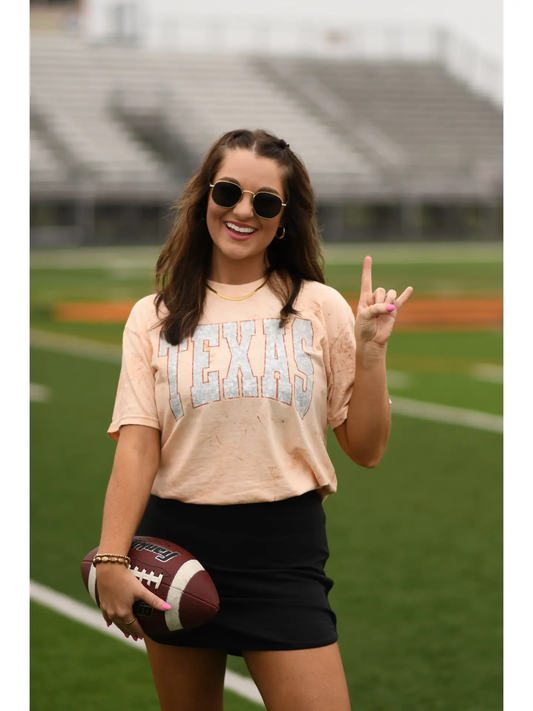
[230, 376]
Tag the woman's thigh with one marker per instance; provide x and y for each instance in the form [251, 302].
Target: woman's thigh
[301, 679]
[187, 678]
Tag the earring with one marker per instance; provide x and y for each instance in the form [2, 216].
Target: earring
[282, 235]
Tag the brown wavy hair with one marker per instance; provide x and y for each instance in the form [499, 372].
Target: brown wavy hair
[184, 264]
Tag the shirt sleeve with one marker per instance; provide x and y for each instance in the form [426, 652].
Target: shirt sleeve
[341, 367]
[135, 402]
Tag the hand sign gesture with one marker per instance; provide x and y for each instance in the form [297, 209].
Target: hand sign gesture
[376, 311]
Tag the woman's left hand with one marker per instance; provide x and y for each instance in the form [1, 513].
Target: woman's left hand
[375, 318]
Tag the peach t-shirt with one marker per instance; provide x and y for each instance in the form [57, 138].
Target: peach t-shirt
[243, 406]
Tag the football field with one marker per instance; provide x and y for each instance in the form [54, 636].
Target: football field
[416, 544]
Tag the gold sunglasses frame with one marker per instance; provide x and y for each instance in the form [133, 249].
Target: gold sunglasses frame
[265, 192]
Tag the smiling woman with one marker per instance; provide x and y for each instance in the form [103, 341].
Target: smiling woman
[231, 374]
[236, 212]
[249, 212]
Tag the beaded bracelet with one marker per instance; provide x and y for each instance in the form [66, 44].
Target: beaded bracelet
[112, 558]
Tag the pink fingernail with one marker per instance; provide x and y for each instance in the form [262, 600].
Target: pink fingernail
[127, 636]
[108, 624]
[390, 307]
[166, 606]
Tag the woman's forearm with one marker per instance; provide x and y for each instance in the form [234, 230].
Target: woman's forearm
[134, 469]
[368, 420]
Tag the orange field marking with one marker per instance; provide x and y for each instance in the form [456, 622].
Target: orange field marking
[445, 313]
[417, 314]
[93, 312]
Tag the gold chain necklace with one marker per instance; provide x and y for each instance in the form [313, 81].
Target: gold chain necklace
[236, 298]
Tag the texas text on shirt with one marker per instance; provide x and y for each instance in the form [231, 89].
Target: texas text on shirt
[243, 406]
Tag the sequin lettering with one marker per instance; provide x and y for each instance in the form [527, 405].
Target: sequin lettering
[235, 339]
[171, 352]
[275, 361]
[302, 330]
[239, 360]
[203, 393]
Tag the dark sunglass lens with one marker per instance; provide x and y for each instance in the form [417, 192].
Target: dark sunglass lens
[226, 194]
[267, 205]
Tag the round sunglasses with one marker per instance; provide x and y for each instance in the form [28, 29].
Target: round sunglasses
[266, 205]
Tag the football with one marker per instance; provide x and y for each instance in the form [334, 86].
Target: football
[174, 575]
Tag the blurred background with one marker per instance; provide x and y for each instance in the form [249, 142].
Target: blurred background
[397, 114]
[400, 125]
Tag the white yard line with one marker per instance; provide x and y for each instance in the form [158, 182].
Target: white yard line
[91, 617]
[72, 345]
[96, 258]
[446, 414]
[144, 258]
[39, 393]
[398, 379]
[487, 373]
[400, 406]
[437, 253]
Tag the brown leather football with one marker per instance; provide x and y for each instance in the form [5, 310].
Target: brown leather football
[174, 575]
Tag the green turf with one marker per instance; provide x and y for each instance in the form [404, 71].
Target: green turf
[440, 368]
[452, 279]
[454, 391]
[49, 286]
[71, 459]
[139, 256]
[105, 332]
[455, 348]
[75, 667]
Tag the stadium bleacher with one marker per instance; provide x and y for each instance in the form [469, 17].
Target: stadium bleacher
[414, 119]
[46, 168]
[70, 91]
[76, 86]
[133, 123]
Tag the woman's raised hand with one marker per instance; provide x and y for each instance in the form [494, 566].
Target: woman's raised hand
[376, 311]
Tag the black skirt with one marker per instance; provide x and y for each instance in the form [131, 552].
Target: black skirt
[267, 562]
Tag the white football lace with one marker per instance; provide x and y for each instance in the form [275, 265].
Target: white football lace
[147, 577]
